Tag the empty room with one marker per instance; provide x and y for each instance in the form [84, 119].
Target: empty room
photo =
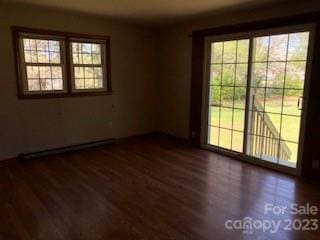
[159, 119]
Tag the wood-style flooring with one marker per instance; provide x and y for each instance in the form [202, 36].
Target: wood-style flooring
[149, 187]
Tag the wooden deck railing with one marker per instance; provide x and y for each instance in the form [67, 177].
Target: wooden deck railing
[265, 139]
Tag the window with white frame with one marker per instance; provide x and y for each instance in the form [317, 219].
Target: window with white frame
[51, 63]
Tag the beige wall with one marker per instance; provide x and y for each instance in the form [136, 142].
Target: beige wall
[33, 125]
[150, 70]
[175, 46]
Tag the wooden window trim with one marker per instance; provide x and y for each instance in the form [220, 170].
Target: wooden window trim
[23, 79]
[103, 43]
[16, 31]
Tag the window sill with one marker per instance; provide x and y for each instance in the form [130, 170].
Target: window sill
[63, 95]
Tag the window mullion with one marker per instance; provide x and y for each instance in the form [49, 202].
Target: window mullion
[248, 97]
[87, 65]
[68, 65]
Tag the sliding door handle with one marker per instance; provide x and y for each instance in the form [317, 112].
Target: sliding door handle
[300, 103]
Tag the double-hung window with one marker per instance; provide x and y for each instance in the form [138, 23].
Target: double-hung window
[88, 62]
[55, 64]
[43, 62]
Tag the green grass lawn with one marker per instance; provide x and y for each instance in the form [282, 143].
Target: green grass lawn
[234, 119]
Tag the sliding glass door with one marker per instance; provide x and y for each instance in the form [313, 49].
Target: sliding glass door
[227, 93]
[256, 92]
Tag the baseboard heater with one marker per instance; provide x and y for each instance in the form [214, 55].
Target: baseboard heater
[71, 148]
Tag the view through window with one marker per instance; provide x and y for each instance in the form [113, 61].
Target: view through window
[268, 125]
[52, 63]
[43, 64]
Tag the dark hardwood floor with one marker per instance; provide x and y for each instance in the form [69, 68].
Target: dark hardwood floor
[144, 188]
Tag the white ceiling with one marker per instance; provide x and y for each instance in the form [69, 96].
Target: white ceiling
[153, 12]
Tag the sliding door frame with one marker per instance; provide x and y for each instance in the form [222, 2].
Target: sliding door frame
[198, 121]
[205, 112]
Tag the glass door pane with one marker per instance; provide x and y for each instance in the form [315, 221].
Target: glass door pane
[276, 97]
[227, 93]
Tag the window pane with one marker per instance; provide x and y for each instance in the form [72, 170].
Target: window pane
[254, 145]
[214, 116]
[99, 83]
[97, 73]
[298, 46]
[295, 75]
[213, 137]
[33, 45]
[79, 83]
[215, 95]
[43, 57]
[225, 138]
[238, 120]
[76, 47]
[41, 51]
[288, 158]
[46, 84]
[230, 52]
[278, 47]
[88, 77]
[292, 102]
[96, 48]
[276, 74]
[89, 83]
[57, 84]
[243, 51]
[226, 118]
[86, 58]
[240, 97]
[272, 121]
[76, 59]
[259, 77]
[215, 78]
[44, 78]
[54, 57]
[42, 45]
[273, 100]
[86, 47]
[258, 96]
[227, 94]
[87, 54]
[254, 118]
[228, 74]
[265, 148]
[241, 74]
[291, 128]
[33, 72]
[98, 77]
[30, 56]
[88, 72]
[45, 72]
[79, 72]
[261, 47]
[96, 58]
[54, 46]
[216, 52]
[56, 72]
[26, 44]
[237, 141]
[33, 85]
